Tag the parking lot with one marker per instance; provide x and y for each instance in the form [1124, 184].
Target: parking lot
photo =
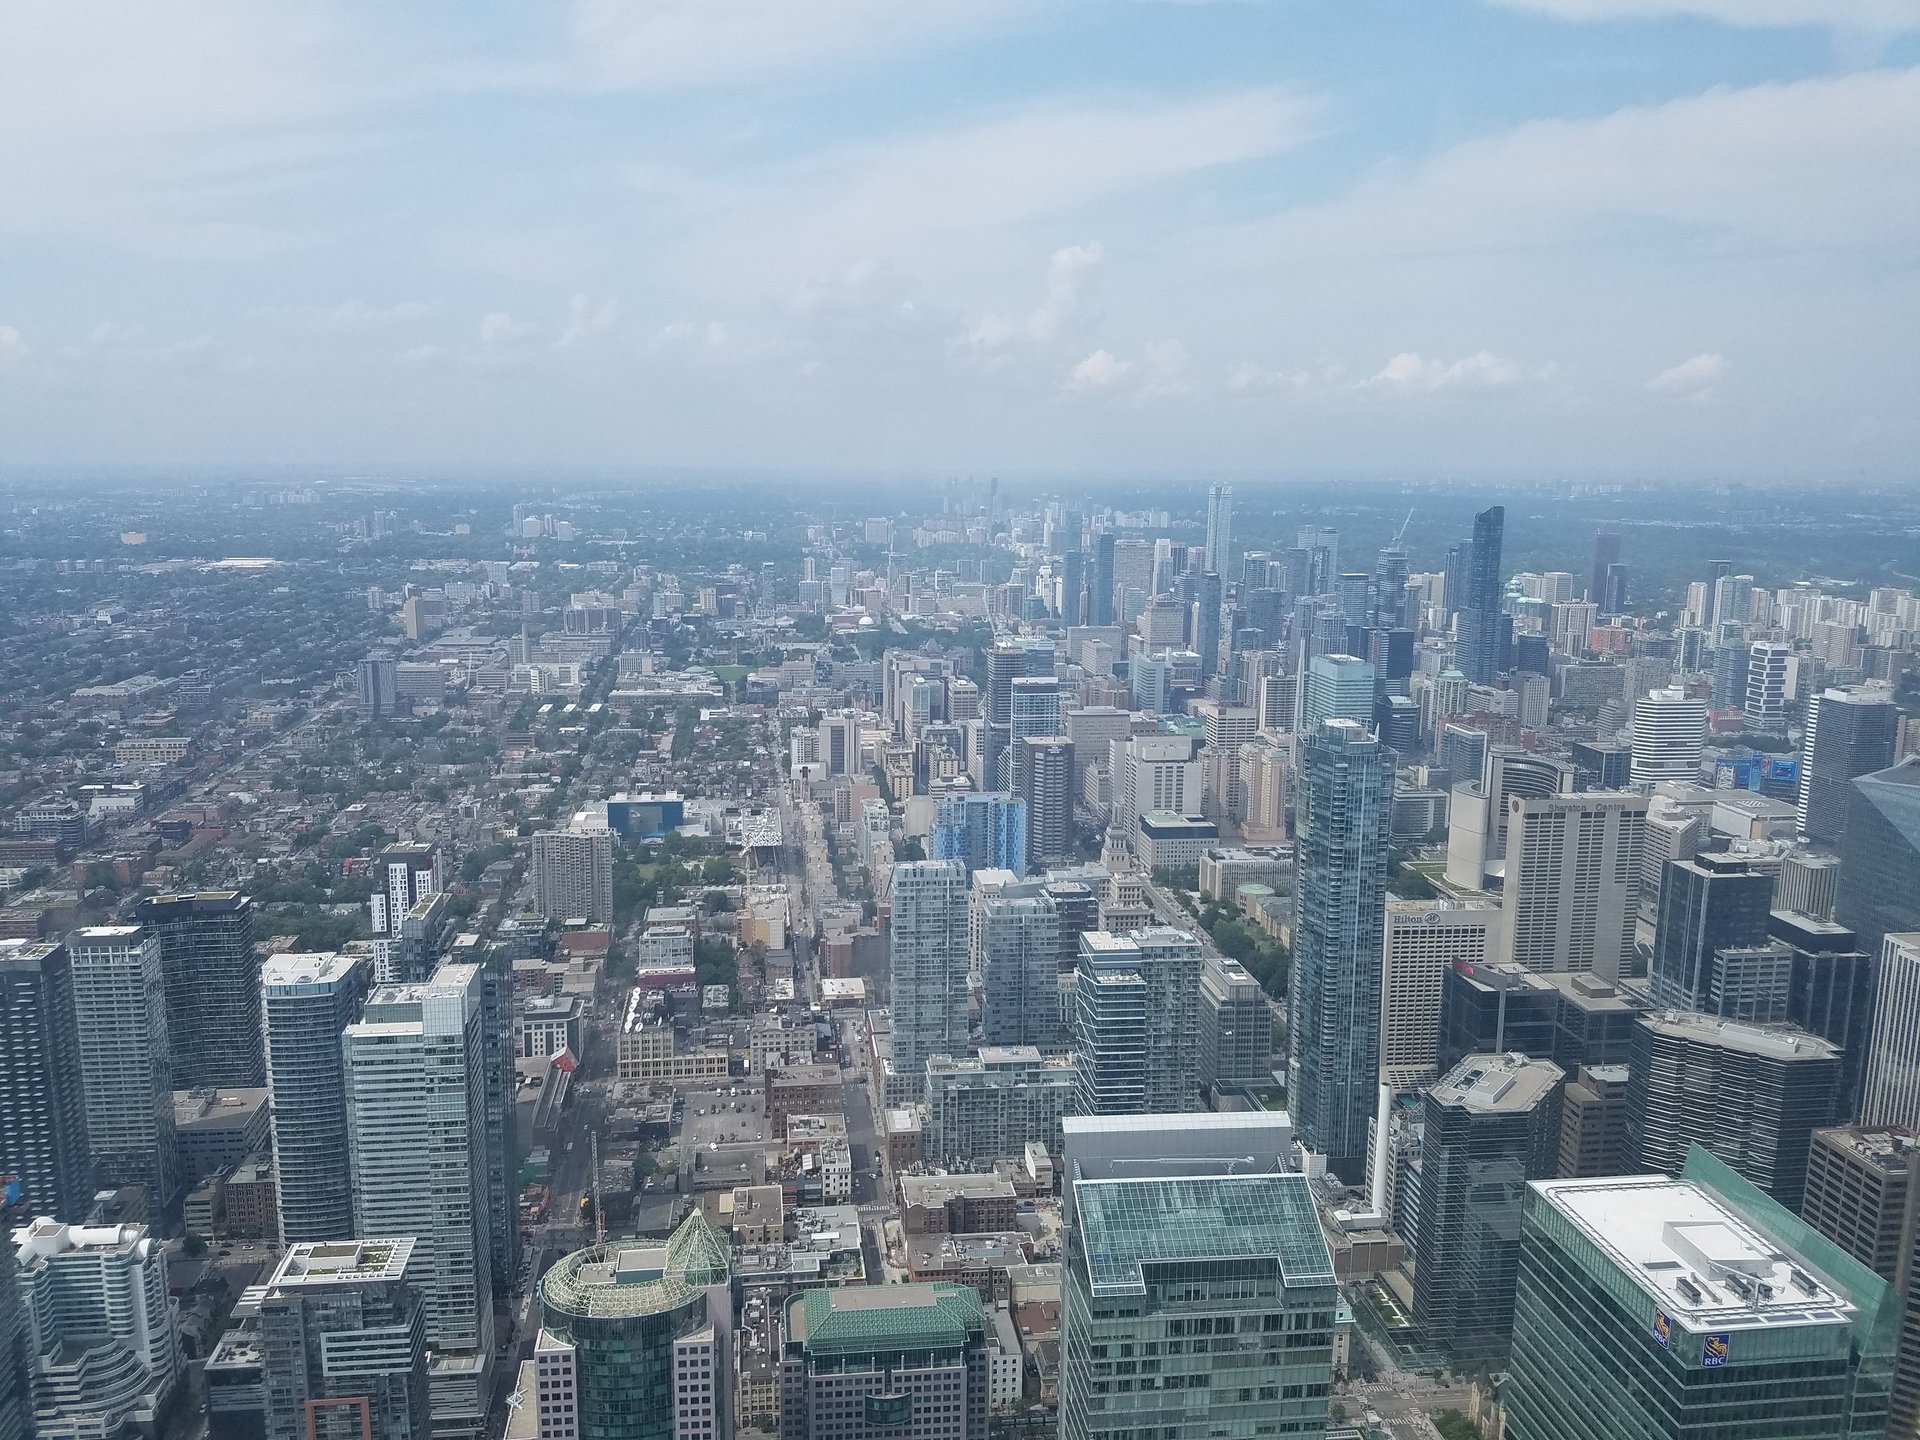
[726, 1115]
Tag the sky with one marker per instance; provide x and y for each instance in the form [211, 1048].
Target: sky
[1434, 239]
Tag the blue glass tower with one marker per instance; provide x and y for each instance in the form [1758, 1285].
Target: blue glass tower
[982, 832]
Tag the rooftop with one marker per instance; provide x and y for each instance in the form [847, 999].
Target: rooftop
[339, 1261]
[1883, 1147]
[607, 1282]
[861, 1319]
[325, 967]
[1125, 1225]
[1498, 1084]
[1777, 1042]
[1704, 1267]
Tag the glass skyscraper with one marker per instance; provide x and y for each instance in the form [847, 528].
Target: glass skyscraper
[982, 832]
[1480, 630]
[1343, 815]
[927, 936]
[1879, 886]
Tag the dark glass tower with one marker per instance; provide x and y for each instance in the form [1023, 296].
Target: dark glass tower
[43, 1120]
[1480, 630]
[1707, 904]
[213, 987]
[1206, 623]
[1850, 733]
[1101, 589]
[1343, 815]
[1879, 887]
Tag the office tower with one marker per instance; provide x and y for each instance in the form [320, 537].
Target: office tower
[307, 1001]
[1751, 1094]
[416, 1139]
[1807, 884]
[1593, 1123]
[1863, 1194]
[1600, 767]
[101, 1329]
[343, 1344]
[1891, 1091]
[1492, 1123]
[982, 832]
[213, 986]
[500, 1083]
[43, 1118]
[885, 1360]
[1073, 585]
[1850, 733]
[1226, 728]
[992, 1105]
[573, 871]
[1273, 703]
[1573, 882]
[1047, 781]
[375, 683]
[1766, 695]
[1574, 1019]
[1513, 772]
[1878, 893]
[1219, 528]
[840, 744]
[636, 1339]
[1005, 664]
[1463, 753]
[1689, 1309]
[1339, 687]
[120, 1018]
[927, 934]
[1155, 772]
[1830, 990]
[1182, 1226]
[1100, 585]
[1137, 1021]
[1707, 904]
[1480, 629]
[1151, 679]
[1206, 624]
[1236, 1026]
[1669, 736]
[1606, 551]
[1423, 939]
[403, 876]
[16, 1356]
[1343, 814]
[1019, 941]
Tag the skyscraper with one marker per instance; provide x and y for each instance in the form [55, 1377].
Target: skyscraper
[16, 1356]
[416, 1130]
[573, 871]
[927, 935]
[120, 1017]
[1236, 1025]
[1891, 1092]
[1606, 551]
[1492, 1124]
[1572, 893]
[1751, 1094]
[1480, 629]
[982, 832]
[1707, 904]
[1343, 816]
[213, 986]
[1219, 528]
[1019, 939]
[1339, 687]
[1849, 733]
[1185, 1226]
[1423, 939]
[1687, 1309]
[1878, 892]
[43, 1119]
[307, 1001]
[1047, 781]
[404, 874]
[1005, 664]
[1137, 1022]
[1766, 696]
[1206, 623]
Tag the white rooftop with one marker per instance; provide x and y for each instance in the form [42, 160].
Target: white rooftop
[1705, 1268]
[322, 967]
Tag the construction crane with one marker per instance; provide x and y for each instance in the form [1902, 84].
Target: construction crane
[1401, 533]
[599, 1210]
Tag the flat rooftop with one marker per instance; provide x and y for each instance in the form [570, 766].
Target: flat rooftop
[1777, 1042]
[1498, 1084]
[338, 1262]
[324, 967]
[1705, 1268]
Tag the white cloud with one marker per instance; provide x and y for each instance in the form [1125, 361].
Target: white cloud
[499, 328]
[1163, 368]
[1101, 370]
[586, 319]
[1692, 379]
[1070, 305]
[1883, 16]
[1480, 372]
[1247, 378]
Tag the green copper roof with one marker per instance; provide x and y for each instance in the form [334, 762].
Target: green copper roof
[863, 1319]
[1124, 1225]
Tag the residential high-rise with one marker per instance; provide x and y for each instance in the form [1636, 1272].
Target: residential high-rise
[1338, 687]
[1707, 904]
[636, 1339]
[120, 1018]
[1422, 940]
[376, 684]
[16, 1356]
[573, 871]
[213, 986]
[416, 1132]
[343, 1343]
[404, 874]
[1006, 662]
[1047, 791]
[1751, 1094]
[1890, 1094]
[1236, 1025]
[1492, 1123]
[1669, 736]
[43, 1117]
[991, 1106]
[1480, 627]
[1180, 1228]
[1572, 893]
[840, 743]
[1019, 941]
[1878, 893]
[307, 1001]
[982, 832]
[500, 1081]
[1219, 528]
[927, 934]
[102, 1332]
[1689, 1309]
[1863, 1194]
[885, 1360]
[1343, 817]
[1137, 1021]
[1849, 733]
[1766, 697]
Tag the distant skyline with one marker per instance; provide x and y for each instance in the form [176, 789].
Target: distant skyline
[1592, 239]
